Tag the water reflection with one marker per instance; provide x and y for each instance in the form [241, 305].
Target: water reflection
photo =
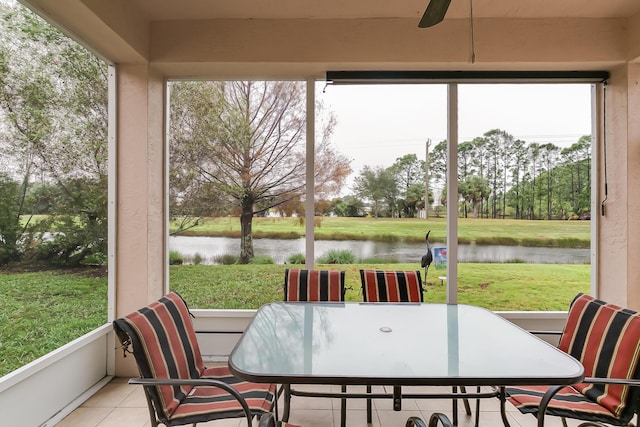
[280, 250]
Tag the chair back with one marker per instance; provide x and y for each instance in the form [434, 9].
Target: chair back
[605, 338]
[165, 346]
[391, 286]
[314, 285]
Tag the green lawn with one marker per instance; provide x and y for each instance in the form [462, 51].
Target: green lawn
[42, 311]
[494, 286]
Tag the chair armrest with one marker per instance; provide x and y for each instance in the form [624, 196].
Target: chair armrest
[544, 402]
[152, 382]
[590, 380]
[558, 333]
[620, 381]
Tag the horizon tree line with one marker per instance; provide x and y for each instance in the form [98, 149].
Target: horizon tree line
[499, 176]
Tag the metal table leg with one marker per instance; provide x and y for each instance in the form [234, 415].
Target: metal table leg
[503, 406]
[343, 408]
[287, 402]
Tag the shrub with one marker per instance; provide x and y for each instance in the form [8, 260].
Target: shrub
[296, 259]
[197, 259]
[337, 256]
[175, 258]
[261, 260]
[226, 259]
[95, 259]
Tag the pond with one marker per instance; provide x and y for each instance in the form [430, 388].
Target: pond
[280, 249]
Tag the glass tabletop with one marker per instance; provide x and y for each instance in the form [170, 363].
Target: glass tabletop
[395, 343]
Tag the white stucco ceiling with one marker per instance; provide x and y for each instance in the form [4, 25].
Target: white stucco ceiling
[283, 38]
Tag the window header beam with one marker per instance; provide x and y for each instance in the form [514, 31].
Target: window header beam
[414, 77]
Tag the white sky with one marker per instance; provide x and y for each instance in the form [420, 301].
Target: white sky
[378, 123]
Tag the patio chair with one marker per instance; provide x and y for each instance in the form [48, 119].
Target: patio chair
[391, 286]
[312, 286]
[605, 338]
[178, 387]
[397, 286]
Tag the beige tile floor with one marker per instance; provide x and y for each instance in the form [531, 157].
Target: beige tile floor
[119, 404]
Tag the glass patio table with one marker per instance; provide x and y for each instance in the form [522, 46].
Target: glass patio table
[396, 344]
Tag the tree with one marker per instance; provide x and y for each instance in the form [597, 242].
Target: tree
[54, 124]
[534, 149]
[349, 206]
[577, 161]
[466, 152]
[10, 230]
[520, 164]
[549, 157]
[377, 185]
[474, 190]
[246, 139]
[323, 207]
[480, 162]
[409, 174]
[438, 166]
[497, 143]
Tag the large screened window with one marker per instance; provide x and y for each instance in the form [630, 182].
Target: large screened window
[242, 175]
[54, 173]
[523, 177]
[238, 184]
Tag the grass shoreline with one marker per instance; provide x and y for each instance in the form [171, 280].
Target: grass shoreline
[539, 233]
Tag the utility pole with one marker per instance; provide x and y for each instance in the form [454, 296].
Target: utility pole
[426, 181]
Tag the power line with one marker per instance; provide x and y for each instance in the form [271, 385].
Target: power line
[407, 142]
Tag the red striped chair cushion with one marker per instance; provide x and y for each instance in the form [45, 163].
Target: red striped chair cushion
[160, 328]
[568, 402]
[165, 347]
[605, 338]
[314, 285]
[391, 286]
[209, 400]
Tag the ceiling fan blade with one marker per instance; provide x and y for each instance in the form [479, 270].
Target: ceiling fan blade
[435, 13]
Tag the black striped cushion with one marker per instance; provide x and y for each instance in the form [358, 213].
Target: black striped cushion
[391, 286]
[605, 338]
[165, 347]
[313, 285]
